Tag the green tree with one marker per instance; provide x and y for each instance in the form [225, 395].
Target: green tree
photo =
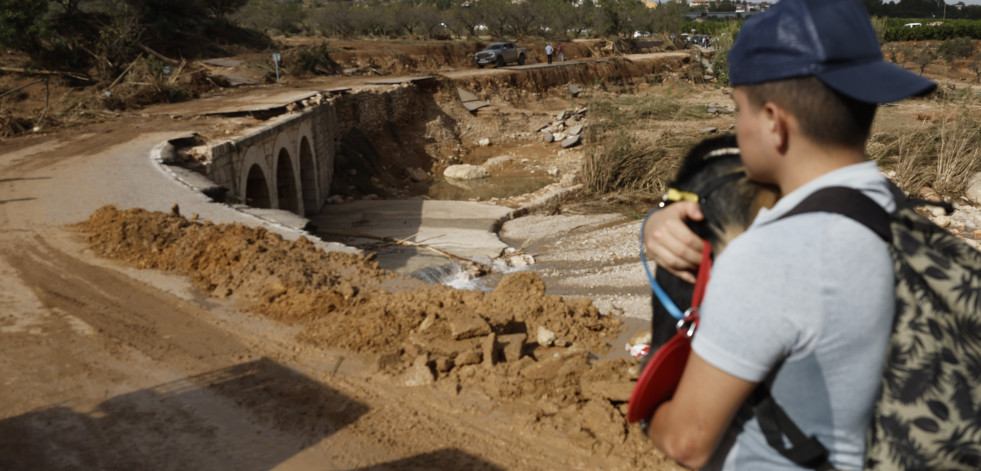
[221, 9]
[23, 25]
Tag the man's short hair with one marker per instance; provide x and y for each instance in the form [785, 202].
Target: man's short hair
[825, 116]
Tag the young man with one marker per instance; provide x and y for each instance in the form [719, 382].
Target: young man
[548, 52]
[802, 306]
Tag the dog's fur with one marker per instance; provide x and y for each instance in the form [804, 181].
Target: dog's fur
[729, 209]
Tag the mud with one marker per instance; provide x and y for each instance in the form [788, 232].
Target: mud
[514, 344]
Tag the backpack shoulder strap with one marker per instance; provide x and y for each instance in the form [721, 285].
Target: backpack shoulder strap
[847, 202]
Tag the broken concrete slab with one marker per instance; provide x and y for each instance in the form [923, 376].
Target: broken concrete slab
[571, 141]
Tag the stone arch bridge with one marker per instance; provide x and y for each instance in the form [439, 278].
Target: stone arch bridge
[286, 164]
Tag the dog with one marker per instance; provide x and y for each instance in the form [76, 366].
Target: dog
[713, 173]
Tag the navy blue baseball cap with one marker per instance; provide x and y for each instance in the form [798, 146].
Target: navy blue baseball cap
[832, 40]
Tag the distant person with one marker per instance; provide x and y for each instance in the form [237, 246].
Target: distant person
[561, 52]
[548, 52]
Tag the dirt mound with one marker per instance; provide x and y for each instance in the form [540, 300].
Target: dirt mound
[516, 344]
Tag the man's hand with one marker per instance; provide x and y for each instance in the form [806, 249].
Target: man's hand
[670, 243]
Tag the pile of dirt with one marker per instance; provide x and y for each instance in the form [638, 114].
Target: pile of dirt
[515, 344]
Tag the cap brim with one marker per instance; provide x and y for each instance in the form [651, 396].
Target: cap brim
[876, 82]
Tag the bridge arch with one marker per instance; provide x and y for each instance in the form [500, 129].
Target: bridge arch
[308, 177]
[286, 190]
[257, 188]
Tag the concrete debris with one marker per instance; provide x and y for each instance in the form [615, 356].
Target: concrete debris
[466, 172]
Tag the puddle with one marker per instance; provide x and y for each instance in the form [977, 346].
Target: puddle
[487, 188]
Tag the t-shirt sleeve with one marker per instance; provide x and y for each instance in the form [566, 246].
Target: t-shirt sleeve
[750, 319]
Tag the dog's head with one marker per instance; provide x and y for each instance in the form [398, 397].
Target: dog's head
[713, 174]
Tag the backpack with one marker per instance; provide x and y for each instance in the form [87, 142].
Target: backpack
[928, 412]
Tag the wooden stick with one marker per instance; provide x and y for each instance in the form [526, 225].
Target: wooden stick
[158, 55]
[21, 70]
[130, 66]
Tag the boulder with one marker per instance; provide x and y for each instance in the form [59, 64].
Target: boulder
[549, 138]
[466, 172]
[417, 174]
[973, 191]
[571, 141]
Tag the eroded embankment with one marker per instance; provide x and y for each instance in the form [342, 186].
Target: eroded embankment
[383, 133]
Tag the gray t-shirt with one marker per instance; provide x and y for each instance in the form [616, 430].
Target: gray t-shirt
[805, 305]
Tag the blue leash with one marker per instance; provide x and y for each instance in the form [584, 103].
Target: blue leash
[658, 291]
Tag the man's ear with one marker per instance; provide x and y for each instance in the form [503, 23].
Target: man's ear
[777, 122]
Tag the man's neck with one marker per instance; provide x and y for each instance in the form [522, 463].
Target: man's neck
[807, 162]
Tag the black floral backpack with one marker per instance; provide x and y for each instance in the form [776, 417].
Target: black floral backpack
[928, 413]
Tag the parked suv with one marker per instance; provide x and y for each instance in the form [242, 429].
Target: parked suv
[500, 54]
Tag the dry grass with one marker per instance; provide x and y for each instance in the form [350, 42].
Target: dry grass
[633, 155]
[940, 153]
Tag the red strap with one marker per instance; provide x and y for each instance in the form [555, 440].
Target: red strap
[703, 277]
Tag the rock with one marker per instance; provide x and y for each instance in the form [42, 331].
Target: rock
[559, 136]
[466, 172]
[465, 323]
[469, 357]
[549, 138]
[553, 172]
[709, 130]
[713, 110]
[616, 391]
[521, 260]
[973, 190]
[545, 337]
[561, 116]
[942, 221]
[575, 130]
[512, 345]
[499, 160]
[419, 373]
[574, 90]
[571, 141]
[417, 174]
[335, 199]
[484, 142]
